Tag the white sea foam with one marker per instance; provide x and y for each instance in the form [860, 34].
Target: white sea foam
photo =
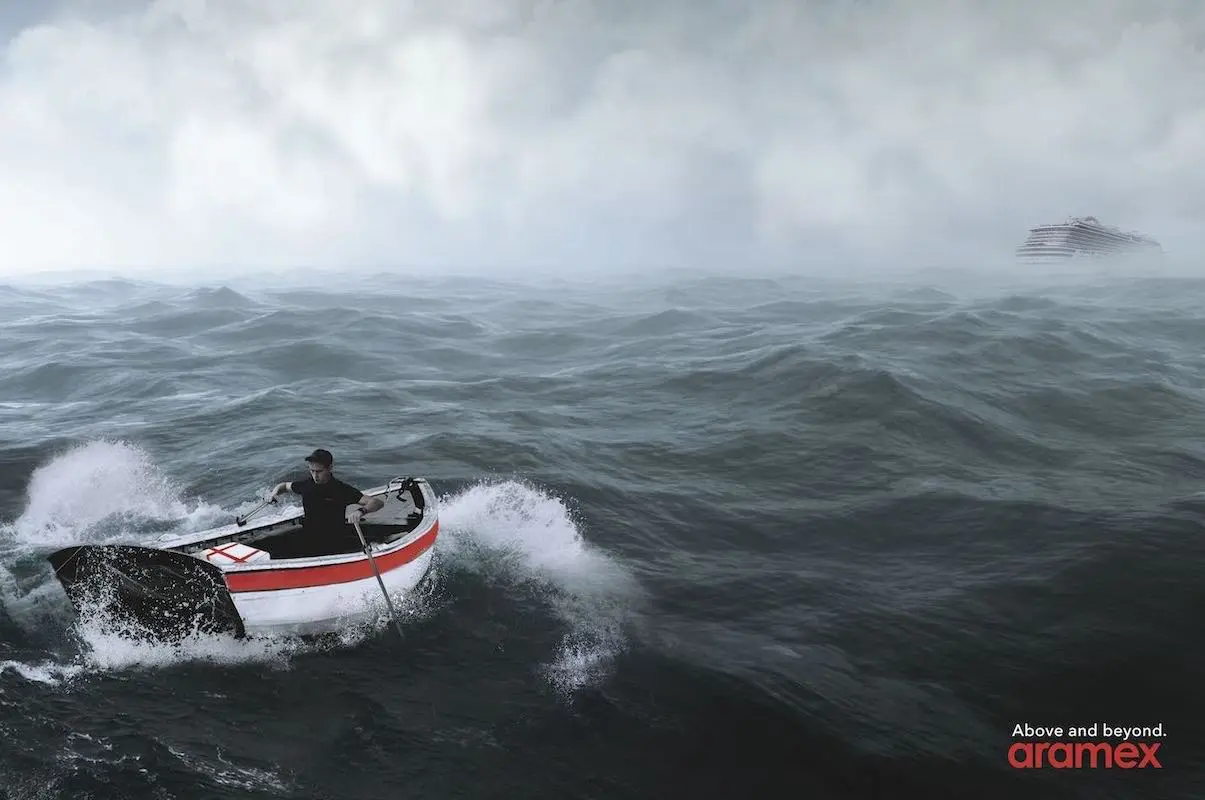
[521, 536]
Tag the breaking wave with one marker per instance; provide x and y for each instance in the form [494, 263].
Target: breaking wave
[524, 539]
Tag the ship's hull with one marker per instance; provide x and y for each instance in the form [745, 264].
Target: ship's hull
[1091, 259]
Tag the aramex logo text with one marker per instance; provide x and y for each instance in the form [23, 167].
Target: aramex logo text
[1084, 755]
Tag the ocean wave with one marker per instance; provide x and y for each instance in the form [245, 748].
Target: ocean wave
[890, 518]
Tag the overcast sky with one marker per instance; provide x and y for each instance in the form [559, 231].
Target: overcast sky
[582, 133]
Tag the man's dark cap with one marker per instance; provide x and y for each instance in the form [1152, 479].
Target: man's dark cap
[322, 457]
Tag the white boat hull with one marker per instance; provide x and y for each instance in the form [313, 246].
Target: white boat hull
[328, 608]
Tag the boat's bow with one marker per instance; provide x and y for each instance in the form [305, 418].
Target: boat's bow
[166, 594]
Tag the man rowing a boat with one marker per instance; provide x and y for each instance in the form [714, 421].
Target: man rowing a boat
[325, 498]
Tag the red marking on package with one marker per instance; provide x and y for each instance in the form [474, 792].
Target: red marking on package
[235, 553]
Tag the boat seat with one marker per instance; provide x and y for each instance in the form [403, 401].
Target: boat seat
[311, 543]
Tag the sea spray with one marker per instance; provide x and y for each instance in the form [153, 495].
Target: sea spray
[517, 534]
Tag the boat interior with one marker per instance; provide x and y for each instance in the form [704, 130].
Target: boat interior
[298, 541]
[292, 538]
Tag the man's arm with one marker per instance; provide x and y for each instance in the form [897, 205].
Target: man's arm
[370, 504]
[366, 504]
[283, 486]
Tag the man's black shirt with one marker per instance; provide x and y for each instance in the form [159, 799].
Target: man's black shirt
[325, 504]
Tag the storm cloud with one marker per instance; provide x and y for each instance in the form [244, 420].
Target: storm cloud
[505, 133]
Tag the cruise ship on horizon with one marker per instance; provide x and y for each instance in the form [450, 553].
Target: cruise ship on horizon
[1084, 237]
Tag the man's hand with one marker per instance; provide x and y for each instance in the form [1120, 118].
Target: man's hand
[356, 514]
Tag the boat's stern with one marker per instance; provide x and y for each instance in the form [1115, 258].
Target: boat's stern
[148, 592]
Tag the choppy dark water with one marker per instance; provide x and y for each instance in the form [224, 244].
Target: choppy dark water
[703, 537]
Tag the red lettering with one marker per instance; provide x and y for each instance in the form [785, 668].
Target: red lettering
[1065, 750]
[1078, 755]
[1148, 755]
[1124, 754]
[1092, 749]
[1026, 751]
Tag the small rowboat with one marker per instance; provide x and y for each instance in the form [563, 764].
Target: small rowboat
[277, 577]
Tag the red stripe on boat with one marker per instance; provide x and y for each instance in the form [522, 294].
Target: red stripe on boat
[265, 580]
